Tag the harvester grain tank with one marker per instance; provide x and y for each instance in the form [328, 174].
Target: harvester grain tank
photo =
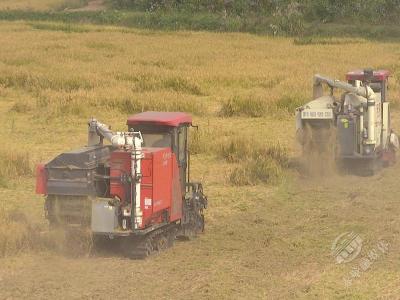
[136, 188]
[359, 120]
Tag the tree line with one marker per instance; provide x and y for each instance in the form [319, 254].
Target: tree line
[366, 11]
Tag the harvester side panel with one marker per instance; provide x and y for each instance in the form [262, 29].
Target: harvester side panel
[161, 162]
[159, 182]
[346, 130]
[176, 205]
[162, 179]
[385, 123]
[146, 186]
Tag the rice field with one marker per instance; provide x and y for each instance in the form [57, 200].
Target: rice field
[40, 5]
[269, 230]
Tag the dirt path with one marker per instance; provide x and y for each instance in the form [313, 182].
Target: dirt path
[94, 5]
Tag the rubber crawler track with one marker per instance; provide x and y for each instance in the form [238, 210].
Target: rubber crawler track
[151, 243]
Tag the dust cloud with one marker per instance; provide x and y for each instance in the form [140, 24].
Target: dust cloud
[318, 152]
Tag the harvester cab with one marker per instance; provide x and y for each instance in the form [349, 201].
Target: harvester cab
[166, 130]
[354, 127]
[137, 187]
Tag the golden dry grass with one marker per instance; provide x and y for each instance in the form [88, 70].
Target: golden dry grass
[29, 4]
[41, 5]
[14, 164]
[261, 241]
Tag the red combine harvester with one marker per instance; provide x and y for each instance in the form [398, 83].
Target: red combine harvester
[137, 189]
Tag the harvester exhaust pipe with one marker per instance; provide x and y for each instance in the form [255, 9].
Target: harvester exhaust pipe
[371, 119]
[369, 75]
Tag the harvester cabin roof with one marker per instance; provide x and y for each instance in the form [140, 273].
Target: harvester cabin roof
[379, 75]
[172, 119]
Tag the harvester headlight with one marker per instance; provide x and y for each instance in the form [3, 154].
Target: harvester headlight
[368, 149]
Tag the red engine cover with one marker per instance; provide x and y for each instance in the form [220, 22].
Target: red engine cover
[160, 189]
[120, 170]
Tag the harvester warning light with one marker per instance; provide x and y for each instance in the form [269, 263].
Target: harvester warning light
[345, 123]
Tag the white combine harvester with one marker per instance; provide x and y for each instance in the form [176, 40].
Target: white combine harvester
[355, 127]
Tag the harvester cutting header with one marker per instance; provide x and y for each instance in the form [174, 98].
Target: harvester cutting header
[356, 125]
[136, 188]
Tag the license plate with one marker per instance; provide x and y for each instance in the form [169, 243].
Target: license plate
[317, 114]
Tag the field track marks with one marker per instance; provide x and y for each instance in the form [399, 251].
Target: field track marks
[94, 5]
